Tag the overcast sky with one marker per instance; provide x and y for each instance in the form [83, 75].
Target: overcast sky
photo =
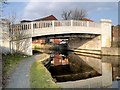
[34, 10]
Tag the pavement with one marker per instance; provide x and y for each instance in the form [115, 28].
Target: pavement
[21, 75]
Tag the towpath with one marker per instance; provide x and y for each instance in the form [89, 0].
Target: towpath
[21, 75]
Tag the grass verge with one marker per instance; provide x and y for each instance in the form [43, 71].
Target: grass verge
[9, 62]
[40, 77]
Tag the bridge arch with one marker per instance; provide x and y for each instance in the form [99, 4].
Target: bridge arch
[51, 28]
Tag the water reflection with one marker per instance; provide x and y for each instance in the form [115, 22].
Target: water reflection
[102, 71]
[107, 66]
[115, 62]
[59, 59]
[66, 66]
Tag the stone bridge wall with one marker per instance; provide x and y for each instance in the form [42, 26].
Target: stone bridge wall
[85, 43]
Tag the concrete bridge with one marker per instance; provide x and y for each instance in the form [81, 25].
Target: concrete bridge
[91, 35]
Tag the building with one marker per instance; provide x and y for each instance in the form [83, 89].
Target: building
[116, 36]
[47, 18]
[86, 19]
[51, 17]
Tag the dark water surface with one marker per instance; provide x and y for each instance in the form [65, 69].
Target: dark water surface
[71, 66]
[67, 66]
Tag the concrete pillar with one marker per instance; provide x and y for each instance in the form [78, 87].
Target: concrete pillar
[106, 75]
[32, 31]
[71, 23]
[26, 46]
[29, 51]
[27, 43]
[87, 23]
[106, 32]
[53, 25]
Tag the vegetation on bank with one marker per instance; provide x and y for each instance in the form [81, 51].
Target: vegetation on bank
[9, 62]
[43, 46]
[40, 77]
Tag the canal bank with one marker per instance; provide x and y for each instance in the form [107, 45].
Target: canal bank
[82, 62]
[103, 81]
[110, 51]
[21, 75]
[99, 81]
[92, 58]
[40, 77]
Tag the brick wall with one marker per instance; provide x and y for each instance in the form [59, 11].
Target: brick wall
[115, 36]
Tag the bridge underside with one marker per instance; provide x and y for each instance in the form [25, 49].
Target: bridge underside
[66, 36]
[90, 43]
[87, 45]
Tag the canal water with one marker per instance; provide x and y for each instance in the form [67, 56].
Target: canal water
[66, 66]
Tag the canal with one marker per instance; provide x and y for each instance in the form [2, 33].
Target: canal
[67, 66]
[76, 70]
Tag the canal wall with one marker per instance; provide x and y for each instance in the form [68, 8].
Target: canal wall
[106, 75]
[115, 61]
[95, 63]
[23, 46]
[89, 45]
[96, 82]
[110, 51]
[91, 53]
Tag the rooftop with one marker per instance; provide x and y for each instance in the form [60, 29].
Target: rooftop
[50, 17]
[86, 19]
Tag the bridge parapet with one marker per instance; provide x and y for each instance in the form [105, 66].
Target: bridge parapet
[55, 23]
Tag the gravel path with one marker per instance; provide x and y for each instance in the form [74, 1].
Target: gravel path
[20, 77]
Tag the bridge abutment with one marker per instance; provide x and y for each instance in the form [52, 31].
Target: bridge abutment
[88, 45]
[91, 45]
[23, 46]
[106, 32]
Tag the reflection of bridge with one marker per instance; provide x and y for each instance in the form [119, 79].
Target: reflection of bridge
[69, 28]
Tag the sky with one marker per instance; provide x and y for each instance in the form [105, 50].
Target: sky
[32, 9]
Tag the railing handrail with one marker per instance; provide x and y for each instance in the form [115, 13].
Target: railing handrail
[56, 23]
[60, 21]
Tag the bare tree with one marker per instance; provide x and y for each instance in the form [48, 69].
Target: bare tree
[17, 35]
[78, 14]
[19, 38]
[12, 19]
[75, 14]
[66, 15]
